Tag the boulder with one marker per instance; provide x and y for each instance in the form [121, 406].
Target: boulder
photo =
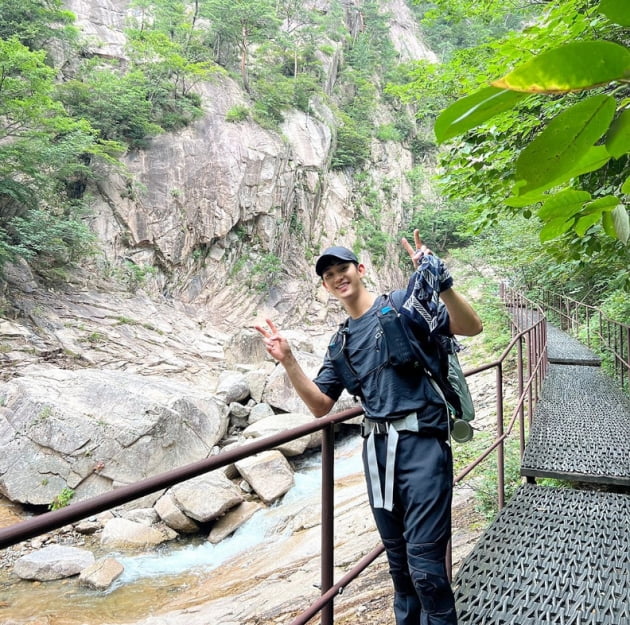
[279, 392]
[232, 387]
[53, 562]
[268, 473]
[231, 521]
[260, 411]
[122, 533]
[279, 423]
[245, 346]
[88, 430]
[171, 514]
[206, 497]
[102, 574]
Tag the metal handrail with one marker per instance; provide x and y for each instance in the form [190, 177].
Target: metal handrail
[613, 336]
[529, 386]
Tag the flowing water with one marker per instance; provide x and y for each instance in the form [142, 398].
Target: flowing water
[187, 570]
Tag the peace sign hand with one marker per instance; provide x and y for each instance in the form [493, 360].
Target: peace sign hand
[277, 346]
[420, 249]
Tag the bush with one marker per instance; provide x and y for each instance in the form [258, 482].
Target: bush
[353, 145]
[266, 272]
[47, 239]
[388, 132]
[237, 113]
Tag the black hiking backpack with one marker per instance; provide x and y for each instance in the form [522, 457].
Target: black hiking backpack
[436, 354]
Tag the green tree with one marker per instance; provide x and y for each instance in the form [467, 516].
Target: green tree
[115, 104]
[586, 134]
[484, 137]
[36, 23]
[242, 23]
[44, 162]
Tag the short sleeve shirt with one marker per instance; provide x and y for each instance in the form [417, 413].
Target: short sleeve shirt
[387, 392]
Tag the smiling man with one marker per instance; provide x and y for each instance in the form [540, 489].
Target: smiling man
[406, 454]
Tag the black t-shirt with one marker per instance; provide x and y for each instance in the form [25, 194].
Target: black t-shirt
[387, 392]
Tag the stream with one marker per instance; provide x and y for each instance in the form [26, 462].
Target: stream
[190, 570]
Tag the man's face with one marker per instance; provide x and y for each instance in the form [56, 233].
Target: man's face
[343, 279]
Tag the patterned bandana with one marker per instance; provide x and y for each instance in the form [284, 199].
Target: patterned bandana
[423, 291]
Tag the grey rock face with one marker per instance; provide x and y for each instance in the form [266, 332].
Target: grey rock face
[88, 430]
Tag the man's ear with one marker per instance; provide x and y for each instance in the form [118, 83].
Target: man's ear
[361, 270]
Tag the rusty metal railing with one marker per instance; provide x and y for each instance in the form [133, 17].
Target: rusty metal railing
[529, 343]
[603, 334]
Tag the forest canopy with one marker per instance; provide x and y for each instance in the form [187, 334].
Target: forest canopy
[534, 124]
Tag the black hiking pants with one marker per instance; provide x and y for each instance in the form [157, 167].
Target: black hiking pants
[416, 531]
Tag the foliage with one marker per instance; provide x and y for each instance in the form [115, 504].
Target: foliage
[265, 273]
[583, 137]
[353, 144]
[450, 26]
[441, 223]
[238, 113]
[45, 160]
[388, 132]
[34, 23]
[116, 105]
[62, 499]
[368, 222]
[241, 23]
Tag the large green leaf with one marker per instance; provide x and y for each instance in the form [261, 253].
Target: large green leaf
[618, 139]
[473, 110]
[601, 205]
[617, 223]
[583, 223]
[593, 212]
[617, 11]
[563, 204]
[595, 158]
[564, 142]
[555, 228]
[571, 67]
[625, 187]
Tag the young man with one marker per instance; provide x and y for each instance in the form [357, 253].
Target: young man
[406, 454]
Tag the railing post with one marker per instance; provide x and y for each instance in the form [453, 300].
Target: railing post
[627, 359]
[501, 447]
[521, 410]
[328, 517]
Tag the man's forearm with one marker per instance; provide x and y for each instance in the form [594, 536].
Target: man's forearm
[318, 403]
[463, 318]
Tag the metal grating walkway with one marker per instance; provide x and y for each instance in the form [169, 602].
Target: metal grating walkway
[553, 556]
[581, 429]
[561, 556]
[564, 349]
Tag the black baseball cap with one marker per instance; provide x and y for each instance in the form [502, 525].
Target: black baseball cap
[334, 255]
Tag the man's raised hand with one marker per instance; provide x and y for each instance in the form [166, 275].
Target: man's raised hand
[420, 249]
[277, 346]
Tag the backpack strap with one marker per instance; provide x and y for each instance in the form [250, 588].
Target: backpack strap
[338, 355]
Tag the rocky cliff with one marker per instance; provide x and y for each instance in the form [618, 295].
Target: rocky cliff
[186, 213]
[220, 195]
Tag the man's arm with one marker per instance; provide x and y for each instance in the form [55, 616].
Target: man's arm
[278, 347]
[463, 318]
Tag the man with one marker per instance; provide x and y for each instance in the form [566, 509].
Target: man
[406, 454]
